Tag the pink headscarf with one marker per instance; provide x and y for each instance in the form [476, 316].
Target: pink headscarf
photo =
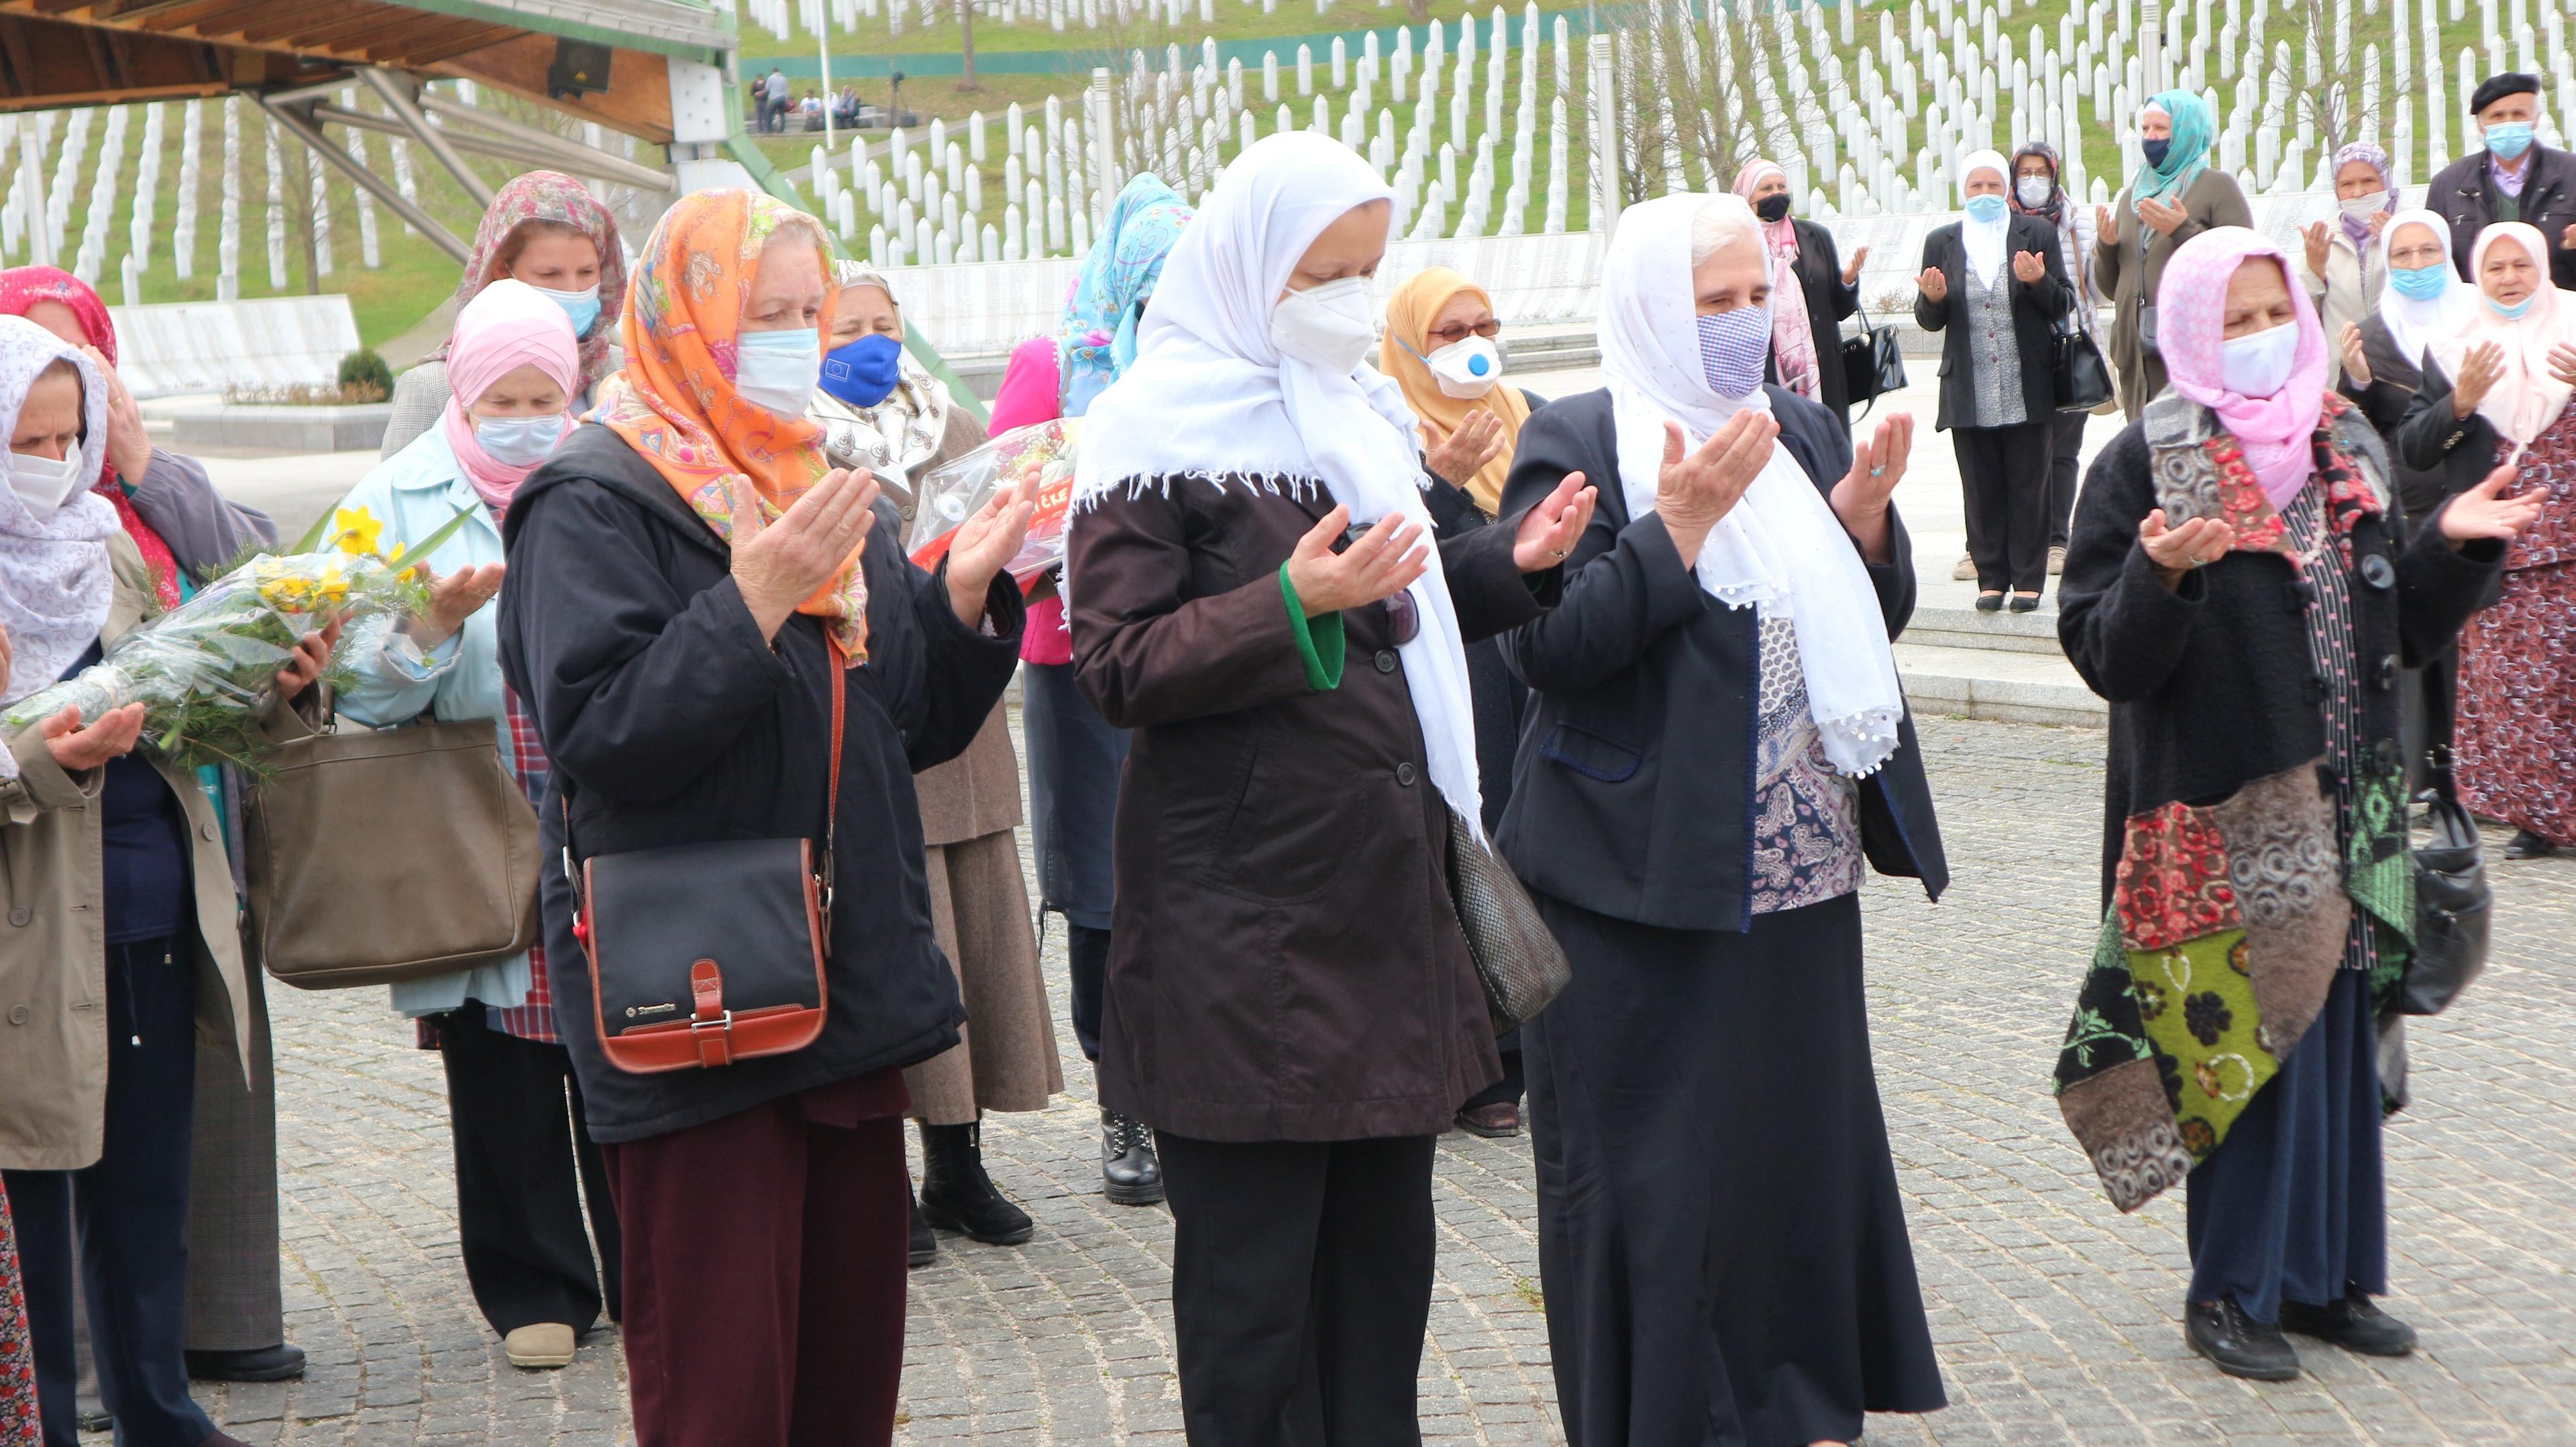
[1793, 339]
[2528, 397]
[508, 325]
[2191, 327]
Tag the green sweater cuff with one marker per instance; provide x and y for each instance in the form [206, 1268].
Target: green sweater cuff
[1319, 640]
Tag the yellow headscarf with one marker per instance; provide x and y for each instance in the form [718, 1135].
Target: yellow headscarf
[675, 401]
[1409, 315]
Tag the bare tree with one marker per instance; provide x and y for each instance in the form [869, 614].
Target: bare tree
[1690, 90]
[966, 44]
[2322, 95]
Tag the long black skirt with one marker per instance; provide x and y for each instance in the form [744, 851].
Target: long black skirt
[1721, 1243]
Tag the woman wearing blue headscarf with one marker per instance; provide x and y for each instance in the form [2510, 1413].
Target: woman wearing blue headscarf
[2174, 197]
[1074, 755]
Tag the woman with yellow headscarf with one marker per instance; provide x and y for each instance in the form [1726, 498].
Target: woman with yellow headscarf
[690, 582]
[1439, 347]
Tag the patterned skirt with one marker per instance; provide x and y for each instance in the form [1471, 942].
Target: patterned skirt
[2516, 732]
[19, 1426]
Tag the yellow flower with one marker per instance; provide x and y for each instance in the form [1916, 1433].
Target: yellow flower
[354, 530]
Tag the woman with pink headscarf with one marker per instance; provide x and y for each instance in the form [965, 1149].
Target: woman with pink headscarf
[1806, 350]
[2257, 885]
[514, 369]
[2513, 354]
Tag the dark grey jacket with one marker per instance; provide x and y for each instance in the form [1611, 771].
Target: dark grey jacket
[2464, 192]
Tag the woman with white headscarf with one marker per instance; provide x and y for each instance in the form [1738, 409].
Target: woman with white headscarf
[1718, 739]
[1290, 1003]
[1995, 284]
[2514, 356]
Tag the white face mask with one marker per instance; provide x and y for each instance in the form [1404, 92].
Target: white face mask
[1327, 327]
[43, 483]
[779, 370]
[519, 441]
[1466, 368]
[2362, 208]
[2258, 363]
[2033, 190]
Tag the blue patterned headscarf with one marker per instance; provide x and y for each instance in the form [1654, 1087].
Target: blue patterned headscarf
[1099, 335]
[2185, 159]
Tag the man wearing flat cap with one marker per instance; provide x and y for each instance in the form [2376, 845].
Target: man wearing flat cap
[2512, 177]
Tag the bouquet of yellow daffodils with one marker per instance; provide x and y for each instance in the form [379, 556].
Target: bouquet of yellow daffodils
[205, 670]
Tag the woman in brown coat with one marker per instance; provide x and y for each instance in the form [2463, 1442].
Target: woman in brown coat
[2174, 197]
[1290, 1002]
[880, 411]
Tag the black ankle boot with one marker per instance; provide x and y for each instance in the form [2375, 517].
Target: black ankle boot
[956, 1195]
[2527, 845]
[925, 1242]
[1130, 1173]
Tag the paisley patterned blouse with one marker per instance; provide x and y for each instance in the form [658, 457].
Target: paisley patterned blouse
[1806, 817]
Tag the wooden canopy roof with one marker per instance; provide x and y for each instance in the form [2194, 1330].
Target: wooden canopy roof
[84, 52]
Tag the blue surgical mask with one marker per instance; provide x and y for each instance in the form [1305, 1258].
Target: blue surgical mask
[862, 372]
[1986, 209]
[519, 441]
[2509, 139]
[1732, 347]
[2509, 313]
[2155, 149]
[581, 306]
[2422, 283]
[779, 370]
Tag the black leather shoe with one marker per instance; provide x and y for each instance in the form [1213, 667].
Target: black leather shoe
[2024, 603]
[956, 1195]
[925, 1242]
[2527, 845]
[2240, 1345]
[279, 1363]
[1130, 1173]
[2354, 1324]
[1990, 602]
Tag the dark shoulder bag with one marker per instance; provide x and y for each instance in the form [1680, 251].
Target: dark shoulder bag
[2454, 906]
[2083, 380]
[1872, 364]
[704, 954]
[1517, 960]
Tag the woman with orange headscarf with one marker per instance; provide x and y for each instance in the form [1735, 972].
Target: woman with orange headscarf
[1439, 347]
[690, 583]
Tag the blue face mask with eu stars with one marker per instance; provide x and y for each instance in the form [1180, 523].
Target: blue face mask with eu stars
[862, 372]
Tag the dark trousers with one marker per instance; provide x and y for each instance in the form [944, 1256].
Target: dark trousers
[764, 1279]
[2004, 472]
[2066, 448]
[1301, 1287]
[129, 1216]
[524, 1163]
[1088, 950]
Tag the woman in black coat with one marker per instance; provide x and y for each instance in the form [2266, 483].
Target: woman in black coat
[1995, 284]
[681, 659]
[1717, 740]
[1806, 330]
[2238, 592]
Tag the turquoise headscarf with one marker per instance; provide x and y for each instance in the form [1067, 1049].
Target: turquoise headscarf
[2186, 158]
[1126, 259]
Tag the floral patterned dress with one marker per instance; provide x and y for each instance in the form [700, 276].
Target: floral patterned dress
[2516, 739]
[1806, 817]
[18, 1420]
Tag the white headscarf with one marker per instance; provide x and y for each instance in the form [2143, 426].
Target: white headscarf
[1985, 241]
[1209, 397]
[2412, 324]
[55, 583]
[2528, 398]
[1780, 549]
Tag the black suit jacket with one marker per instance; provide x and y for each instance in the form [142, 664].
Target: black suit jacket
[1632, 791]
[2463, 192]
[2036, 306]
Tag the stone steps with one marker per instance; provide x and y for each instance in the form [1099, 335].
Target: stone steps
[1968, 664]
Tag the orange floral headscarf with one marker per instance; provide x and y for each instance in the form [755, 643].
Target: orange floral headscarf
[675, 401]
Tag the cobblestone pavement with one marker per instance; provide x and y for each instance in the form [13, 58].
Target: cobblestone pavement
[2056, 1317]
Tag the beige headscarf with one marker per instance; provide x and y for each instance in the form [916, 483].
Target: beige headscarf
[901, 434]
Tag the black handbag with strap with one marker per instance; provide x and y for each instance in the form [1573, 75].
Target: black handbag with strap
[1872, 363]
[1518, 960]
[2454, 904]
[2083, 378]
[704, 954]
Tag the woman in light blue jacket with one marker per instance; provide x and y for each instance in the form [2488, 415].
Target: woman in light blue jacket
[515, 369]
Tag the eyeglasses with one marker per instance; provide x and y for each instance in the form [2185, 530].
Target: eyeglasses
[1452, 335]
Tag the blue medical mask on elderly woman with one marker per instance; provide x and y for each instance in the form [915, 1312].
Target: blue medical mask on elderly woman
[862, 371]
[1732, 348]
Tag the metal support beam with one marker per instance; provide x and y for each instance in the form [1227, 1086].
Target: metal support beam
[563, 156]
[303, 129]
[318, 90]
[397, 98]
[572, 155]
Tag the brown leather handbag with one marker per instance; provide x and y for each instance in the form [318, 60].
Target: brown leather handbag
[705, 954]
[376, 856]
